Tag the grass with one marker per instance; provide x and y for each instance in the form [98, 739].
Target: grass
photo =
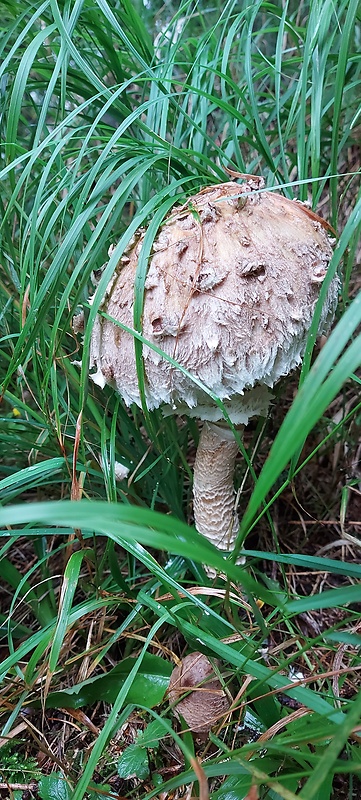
[111, 113]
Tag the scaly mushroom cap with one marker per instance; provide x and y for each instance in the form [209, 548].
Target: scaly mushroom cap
[198, 693]
[230, 294]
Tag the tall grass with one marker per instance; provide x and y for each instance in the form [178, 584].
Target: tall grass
[110, 114]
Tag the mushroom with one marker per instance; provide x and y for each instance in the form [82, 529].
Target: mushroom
[197, 693]
[231, 288]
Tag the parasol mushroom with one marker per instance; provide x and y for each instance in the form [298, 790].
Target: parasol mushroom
[232, 284]
[197, 693]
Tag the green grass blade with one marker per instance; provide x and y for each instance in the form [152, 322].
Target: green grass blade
[69, 586]
[314, 396]
[327, 761]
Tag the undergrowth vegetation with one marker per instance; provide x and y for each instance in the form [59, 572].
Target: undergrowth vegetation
[111, 113]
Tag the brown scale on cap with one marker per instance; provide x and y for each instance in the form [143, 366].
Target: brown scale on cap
[230, 293]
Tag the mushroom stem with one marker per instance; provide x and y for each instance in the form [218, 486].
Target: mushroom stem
[213, 490]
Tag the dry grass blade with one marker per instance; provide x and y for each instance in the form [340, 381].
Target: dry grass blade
[201, 778]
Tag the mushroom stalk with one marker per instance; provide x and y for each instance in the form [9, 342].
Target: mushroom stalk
[213, 489]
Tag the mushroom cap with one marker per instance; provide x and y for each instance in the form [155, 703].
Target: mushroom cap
[198, 693]
[230, 293]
